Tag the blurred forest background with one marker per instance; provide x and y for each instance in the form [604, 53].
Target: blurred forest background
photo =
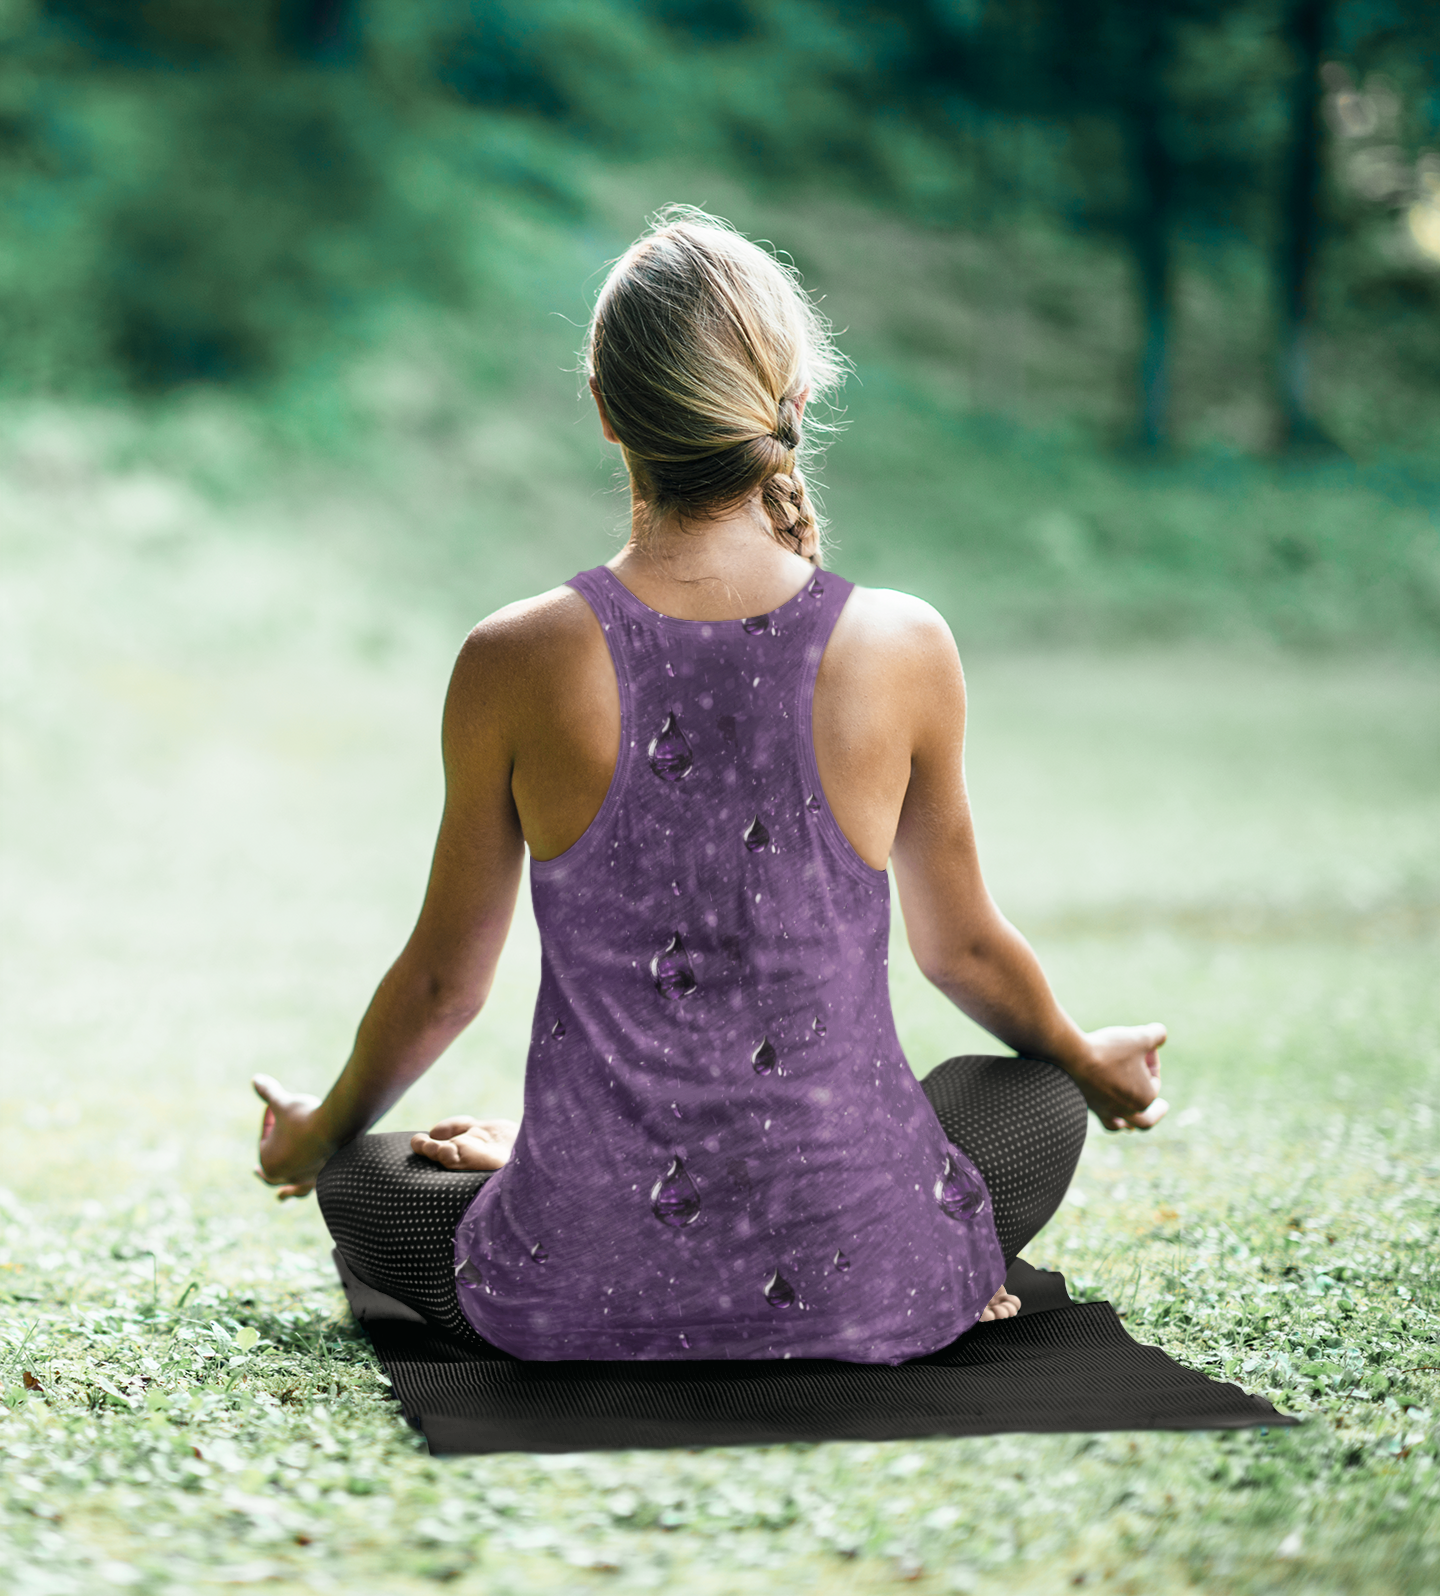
[1142, 294]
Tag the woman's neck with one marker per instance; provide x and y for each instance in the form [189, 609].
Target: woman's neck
[716, 570]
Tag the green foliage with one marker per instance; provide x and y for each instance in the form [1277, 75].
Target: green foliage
[192, 197]
[264, 196]
[242, 215]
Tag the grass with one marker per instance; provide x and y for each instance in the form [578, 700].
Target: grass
[220, 784]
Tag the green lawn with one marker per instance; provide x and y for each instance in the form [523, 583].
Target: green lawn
[219, 789]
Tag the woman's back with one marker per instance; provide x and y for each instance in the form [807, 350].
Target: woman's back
[541, 669]
[709, 804]
[720, 1126]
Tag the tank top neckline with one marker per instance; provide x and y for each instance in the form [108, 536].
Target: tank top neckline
[643, 612]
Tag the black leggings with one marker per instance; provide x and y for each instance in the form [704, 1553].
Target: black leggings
[393, 1214]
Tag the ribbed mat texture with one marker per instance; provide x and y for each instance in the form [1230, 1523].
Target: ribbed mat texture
[1058, 1366]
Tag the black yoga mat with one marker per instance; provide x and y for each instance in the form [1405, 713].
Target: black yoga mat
[1058, 1365]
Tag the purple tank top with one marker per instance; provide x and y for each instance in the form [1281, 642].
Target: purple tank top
[724, 1153]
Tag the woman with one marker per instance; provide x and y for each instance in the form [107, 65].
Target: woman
[711, 748]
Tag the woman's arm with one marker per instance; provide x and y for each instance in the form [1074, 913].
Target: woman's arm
[443, 976]
[960, 939]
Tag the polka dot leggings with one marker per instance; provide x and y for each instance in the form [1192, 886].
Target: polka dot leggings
[393, 1214]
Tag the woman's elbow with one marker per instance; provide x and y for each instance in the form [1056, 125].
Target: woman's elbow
[954, 968]
[451, 1003]
[938, 971]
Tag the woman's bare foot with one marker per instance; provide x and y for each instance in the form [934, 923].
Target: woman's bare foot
[467, 1143]
[1001, 1306]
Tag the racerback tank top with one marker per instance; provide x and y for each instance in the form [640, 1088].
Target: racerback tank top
[723, 1152]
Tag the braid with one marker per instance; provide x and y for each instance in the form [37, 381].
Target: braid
[791, 513]
[783, 494]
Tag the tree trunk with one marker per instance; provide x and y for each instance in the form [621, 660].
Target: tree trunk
[1299, 234]
[318, 30]
[1148, 230]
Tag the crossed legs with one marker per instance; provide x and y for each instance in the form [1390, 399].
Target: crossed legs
[393, 1213]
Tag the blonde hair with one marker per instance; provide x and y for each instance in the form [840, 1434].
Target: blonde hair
[700, 347]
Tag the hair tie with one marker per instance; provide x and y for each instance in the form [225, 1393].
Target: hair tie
[787, 425]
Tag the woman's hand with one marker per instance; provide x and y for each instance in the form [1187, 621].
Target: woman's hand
[466, 1143]
[1120, 1077]
[292, 1149]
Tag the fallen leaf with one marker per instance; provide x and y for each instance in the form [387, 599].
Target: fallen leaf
[31, 1383]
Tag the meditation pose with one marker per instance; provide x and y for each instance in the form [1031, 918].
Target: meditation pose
[712, 748]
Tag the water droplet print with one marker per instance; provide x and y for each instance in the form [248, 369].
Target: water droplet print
[958, 1192]
[468, 1275]
[757, 839]
[673, 974]
[816, 587]
[558, 1030]
[538, 1253]
[812, 803]
[841, 1262]
[755, 624]
[818, 1026]
[684, 1341]
[673, 1198]
[669, 751]
[764, 1058]
[779, 1293]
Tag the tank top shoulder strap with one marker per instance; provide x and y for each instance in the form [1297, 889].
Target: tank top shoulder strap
[818, 605]
[606, 595]
[597, 588]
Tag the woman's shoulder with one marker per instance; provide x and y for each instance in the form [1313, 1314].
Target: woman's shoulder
[889, 611]
[530, 630]
[892, 662]
[525, 653]
[888, 628]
